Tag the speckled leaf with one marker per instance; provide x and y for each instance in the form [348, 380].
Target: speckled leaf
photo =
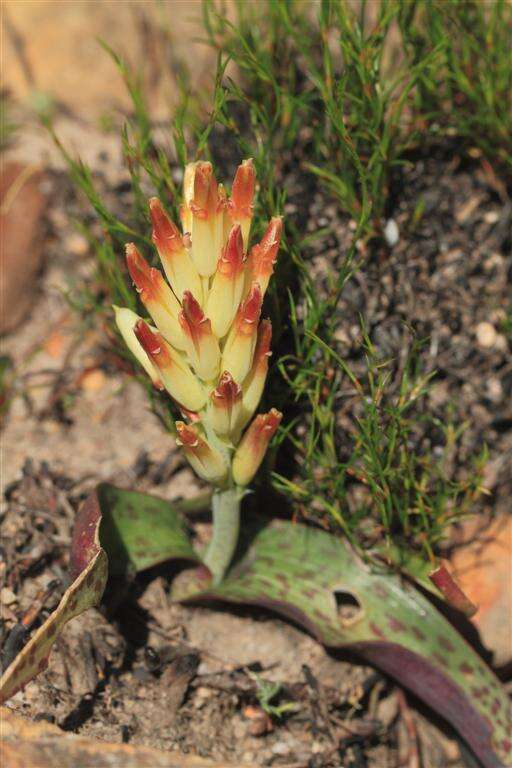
[139, 531]
[316, 580]
[90, 577]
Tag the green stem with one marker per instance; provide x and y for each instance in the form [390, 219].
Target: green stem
[226, 525]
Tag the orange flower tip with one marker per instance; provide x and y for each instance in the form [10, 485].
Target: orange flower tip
[205, 187]
[242, 193]
[250, 308]
[265, 252]
[149, 341]
[139, 269]
[191, 312]
[227, 390]
[233, 254]
[269, 422]
[187, 435]
[165, 232]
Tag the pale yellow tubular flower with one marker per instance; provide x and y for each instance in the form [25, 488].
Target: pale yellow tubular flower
[207, 461]
[203, 217]
[241, 341]
[202, 346]
[225, 406]
[157, 297]
[176, 261]
[126, 320]
[176, 375]
[240, 206]
[254, 383]
[227, 285]
[251, 450]
[263, 255]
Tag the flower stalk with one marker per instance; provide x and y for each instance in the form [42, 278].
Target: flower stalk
[208, 347]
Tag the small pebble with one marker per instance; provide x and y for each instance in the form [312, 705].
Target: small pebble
[491, 217]
[7, 596]
[486, 334]
[494, 390]
[76, 244]
[93, 380]
[281, 748]
[391, 233]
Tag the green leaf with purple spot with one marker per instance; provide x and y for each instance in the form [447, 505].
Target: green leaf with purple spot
[317, 581]
[140, 531]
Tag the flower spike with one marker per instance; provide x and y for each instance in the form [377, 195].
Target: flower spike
[253, 446]
[207, 317]
[238, 351]
[176, 375]
[176, 261]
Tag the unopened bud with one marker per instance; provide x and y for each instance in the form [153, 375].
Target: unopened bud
[255, 381]
[253, 446]
[207, 461]
[238, 351]
[227, 285]
[126, 321]
[226, 405]
[240, 206]
[156, 296]
[176, 261]
[176, 375]
[203, 216]
[202, 345]
[263, 256]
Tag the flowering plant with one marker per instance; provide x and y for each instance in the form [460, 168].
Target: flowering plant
[208, 347]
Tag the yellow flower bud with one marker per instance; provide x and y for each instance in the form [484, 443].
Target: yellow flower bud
[157, 297]
[238, 351]
[227, 285]
[202, 345]
[208, 462]
[240, 206]
[126, 321]
[226, 406]
[253, 385]
[178, 266]
[263, 255]
[203, 216]
[176, 375]
[252, 448]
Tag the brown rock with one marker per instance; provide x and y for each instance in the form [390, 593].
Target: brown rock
[483, 569]
[22, 206]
